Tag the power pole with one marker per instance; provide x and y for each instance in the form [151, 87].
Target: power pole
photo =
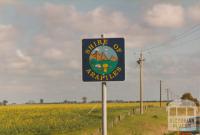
[167, 94]
[141, 63]
[160, 93]
[171, 96]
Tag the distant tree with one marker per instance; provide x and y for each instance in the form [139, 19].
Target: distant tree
[41, 101]
[65, 101]
[30, 102]
[84, 99]
[5, 102]
[196, 101]
[188, 96]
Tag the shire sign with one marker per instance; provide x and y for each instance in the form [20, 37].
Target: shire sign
[103, 59]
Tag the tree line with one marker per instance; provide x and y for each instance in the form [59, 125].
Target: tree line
[185, 96]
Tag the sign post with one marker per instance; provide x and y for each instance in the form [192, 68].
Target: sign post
[103, 60]
[104, 106]
[104, 109]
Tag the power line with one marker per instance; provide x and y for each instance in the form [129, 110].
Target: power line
[183, 42]
[180, 36]
[185, 34]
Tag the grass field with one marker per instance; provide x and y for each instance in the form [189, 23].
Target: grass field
[77, 119]
[153, 122]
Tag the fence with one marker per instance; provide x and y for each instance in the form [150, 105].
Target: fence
[120, 118]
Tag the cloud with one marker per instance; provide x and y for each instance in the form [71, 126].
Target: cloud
[138, 36]
[100, 17]
[60, 21]
[43, 40]
[166, 15]
[8, 38]
[18, 65]
[6, 31]
[74, 64]
[4, 2]
[8, 35]
[97, 20]
[54, 54]
[20, 62]
[54, 73]
[64, 26]
[11, 87]
[11, 56]
[50, 52]
[194, 13]
[23, 57]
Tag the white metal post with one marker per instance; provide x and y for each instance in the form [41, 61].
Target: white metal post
[104, 109]
[104, 106]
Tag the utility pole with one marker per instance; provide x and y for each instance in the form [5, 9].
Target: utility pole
[167, 90]
[160, 93]
[171, 96]
[141, 63]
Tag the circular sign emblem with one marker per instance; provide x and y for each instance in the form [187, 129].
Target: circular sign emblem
[103, 60]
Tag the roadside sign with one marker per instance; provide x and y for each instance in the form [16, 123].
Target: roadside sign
[103, 59]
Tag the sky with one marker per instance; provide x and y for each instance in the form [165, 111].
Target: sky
[40, 47]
